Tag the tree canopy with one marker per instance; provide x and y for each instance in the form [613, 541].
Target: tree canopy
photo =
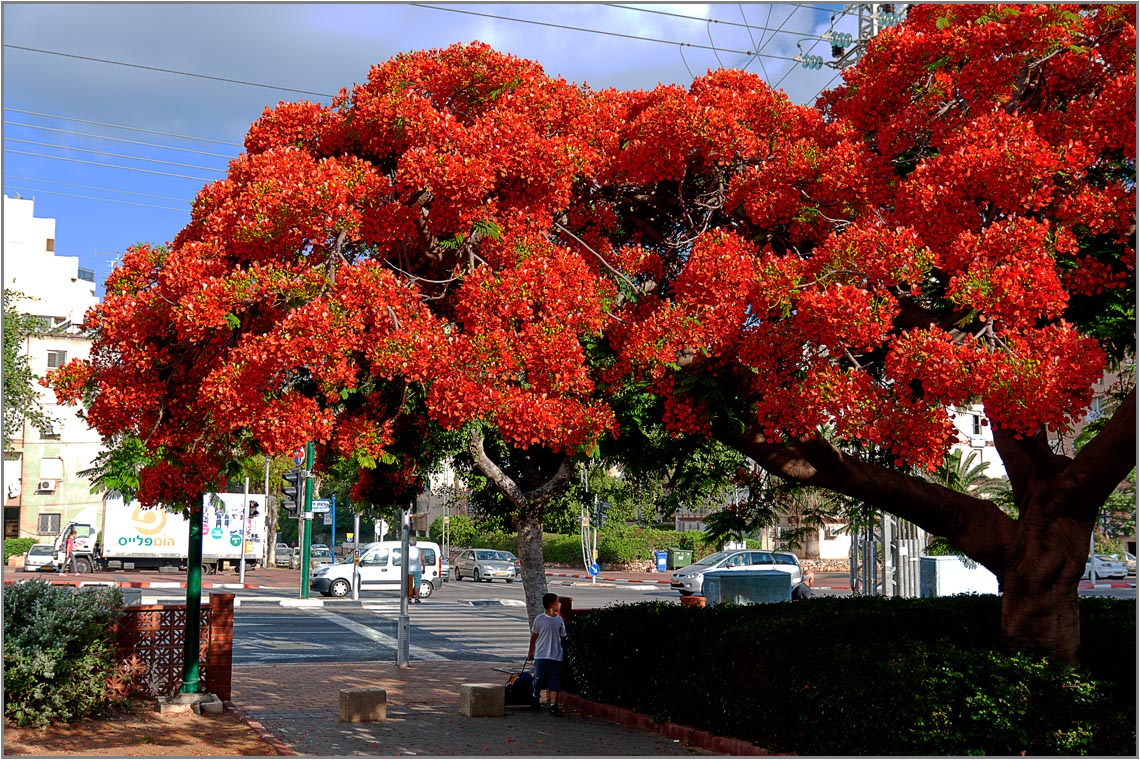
[465, 239]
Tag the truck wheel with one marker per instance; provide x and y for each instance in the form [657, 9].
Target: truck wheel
[339, 588]
[208, 569]
[82, 565]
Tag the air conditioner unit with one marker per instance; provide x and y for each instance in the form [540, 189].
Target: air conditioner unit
[977, 442]
[46, 485]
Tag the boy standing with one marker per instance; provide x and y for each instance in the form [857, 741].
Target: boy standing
[546, 636]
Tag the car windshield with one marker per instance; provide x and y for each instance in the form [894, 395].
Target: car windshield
[40, 550]
[712, 559]
[485, 555]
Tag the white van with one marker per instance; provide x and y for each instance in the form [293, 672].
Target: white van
[379, 570]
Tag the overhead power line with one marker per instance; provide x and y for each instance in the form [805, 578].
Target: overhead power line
[118, 139]
[96, 198]
[745, 25]
[109, 166]
[599, 31]
[97, 187]
[115, 155]
[168, 71]
[123, 126]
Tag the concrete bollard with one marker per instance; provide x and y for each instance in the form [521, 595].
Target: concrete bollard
[363, 705]
[692, 601]
[482, 700]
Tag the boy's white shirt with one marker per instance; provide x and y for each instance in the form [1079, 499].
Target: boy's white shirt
[548, 646]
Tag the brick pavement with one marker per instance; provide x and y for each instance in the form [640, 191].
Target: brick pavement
[298, 705]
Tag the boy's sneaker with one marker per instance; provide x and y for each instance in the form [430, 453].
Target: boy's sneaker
[555, 711]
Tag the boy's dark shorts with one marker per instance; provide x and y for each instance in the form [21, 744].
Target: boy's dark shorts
[547, 675]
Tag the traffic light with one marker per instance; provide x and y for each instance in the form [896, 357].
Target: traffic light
[291, 493]
[600, 509]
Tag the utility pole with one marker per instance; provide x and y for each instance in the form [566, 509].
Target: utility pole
[307, 520]
[402, 629]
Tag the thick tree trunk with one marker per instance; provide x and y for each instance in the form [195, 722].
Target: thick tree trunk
[532, 561]
[1038, 557]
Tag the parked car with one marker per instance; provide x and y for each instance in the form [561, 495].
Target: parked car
[319, 554]
[1130, 562]
[282, 555]
[1106, 567]
[486, 565]
[445, 567]
[380, 564]
[39, 557]
[688, 580]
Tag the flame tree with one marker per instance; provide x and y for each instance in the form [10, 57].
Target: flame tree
[465, 243]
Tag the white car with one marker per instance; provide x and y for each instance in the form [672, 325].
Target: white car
[688, 580]
[39, 557]
[1106, 566]
[379, 570]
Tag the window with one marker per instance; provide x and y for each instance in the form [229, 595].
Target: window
[49, 431]
[1096, 409]
[87, 274]
[56, 359]
[49, 244]
[976, 424]
[48, 524]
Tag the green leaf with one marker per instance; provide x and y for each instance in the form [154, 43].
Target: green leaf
[942, 22]
[232, 321]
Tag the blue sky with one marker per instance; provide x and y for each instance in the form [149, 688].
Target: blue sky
[58, 103]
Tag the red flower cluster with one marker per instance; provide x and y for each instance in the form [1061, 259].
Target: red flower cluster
[464, 226]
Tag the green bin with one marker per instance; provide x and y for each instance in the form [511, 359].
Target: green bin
[679, 558]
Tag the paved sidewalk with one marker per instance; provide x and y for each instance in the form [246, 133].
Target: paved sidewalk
[298, 705]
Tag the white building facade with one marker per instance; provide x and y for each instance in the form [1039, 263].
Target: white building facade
[41, 485]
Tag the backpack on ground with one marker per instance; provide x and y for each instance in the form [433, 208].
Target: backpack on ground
[520, 687]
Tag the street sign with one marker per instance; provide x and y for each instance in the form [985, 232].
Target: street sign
[299, 457]
[593, 569]
[328, 518]
[321, 505]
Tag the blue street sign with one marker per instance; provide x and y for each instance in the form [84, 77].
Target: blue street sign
[299, 457]
[593, 568]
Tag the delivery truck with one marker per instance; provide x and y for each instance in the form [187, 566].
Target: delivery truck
[133, 537]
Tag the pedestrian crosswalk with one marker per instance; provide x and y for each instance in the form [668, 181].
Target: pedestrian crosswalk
[461, 631]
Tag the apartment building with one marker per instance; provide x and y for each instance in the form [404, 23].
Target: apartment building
[41, 486]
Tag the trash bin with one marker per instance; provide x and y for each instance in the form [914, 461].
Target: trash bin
[662, 559]
[679, 558]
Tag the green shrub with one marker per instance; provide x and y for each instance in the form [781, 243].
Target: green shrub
[861, 676]
[463, 530]
[58, 651]
[16, 546]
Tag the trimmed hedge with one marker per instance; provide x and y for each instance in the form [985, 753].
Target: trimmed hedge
[618, 545]
[17, 546]
[58, 651]
[863, 676]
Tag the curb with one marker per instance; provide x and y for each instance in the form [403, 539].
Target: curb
[692, 737]
[279, 746]
[587, 576]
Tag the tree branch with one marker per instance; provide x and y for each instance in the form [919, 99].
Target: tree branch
[974, 525]
[1105, 460]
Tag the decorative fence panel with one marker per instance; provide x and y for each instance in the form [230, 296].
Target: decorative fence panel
[150, 642]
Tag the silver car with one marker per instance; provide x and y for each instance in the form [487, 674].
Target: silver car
[1107, 566]
[486, 565]
[282, 554]
[688, 580]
